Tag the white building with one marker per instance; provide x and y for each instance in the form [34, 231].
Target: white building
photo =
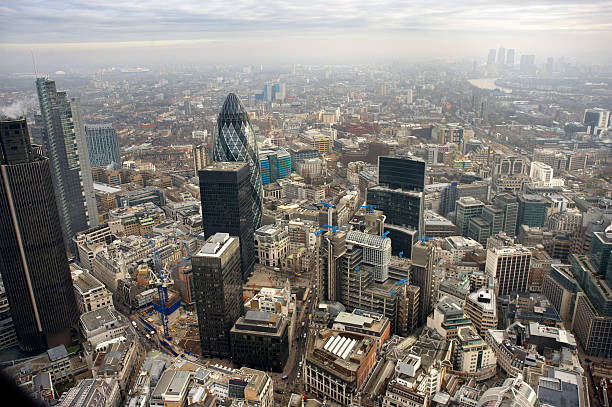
[376, 252]
[90, 293]
[510, 266]
[271, 245]
[481, 308]
[513, 393]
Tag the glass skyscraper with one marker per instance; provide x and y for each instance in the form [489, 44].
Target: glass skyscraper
[33, 259]
[102, 145]
[65, 146]
[235, 141]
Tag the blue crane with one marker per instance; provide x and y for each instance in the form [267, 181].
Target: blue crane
[405, 280]
[334, 229]
[424, 239]
[162, 281]
[401, 255]
[370, 208]
[329, 212]
[384, 234]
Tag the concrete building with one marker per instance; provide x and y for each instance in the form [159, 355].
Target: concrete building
[171, 389]
[102, 327]
[92, 393]
[472, 355]
[260, 340]
[90, 293]
[217, 291]
[481, 308]
[363, 322]
[271, 244]
[337, 364]
[448, 318]
[513, 393]
[466, 209]
[510, 267]
[376, 252]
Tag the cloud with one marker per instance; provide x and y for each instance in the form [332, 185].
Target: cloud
[73, 21]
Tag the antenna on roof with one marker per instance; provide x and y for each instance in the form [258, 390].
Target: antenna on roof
[34, 63]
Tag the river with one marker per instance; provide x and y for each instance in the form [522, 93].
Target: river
[488, 83]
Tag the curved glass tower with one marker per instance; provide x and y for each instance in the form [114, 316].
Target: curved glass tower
[235, 141]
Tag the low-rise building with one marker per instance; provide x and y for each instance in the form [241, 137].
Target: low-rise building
[171, 389]
[90, 293]
[481, 308]
[364, 322]
[271, 245]
[261, 340]
[337, 364]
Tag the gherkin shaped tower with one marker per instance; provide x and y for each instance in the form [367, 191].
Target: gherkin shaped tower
[235, 141]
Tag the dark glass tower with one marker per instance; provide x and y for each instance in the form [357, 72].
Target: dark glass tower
[399, 194]
[235, 141]
[33, 260]
[217, 292]
[227, 206]
[65, 146]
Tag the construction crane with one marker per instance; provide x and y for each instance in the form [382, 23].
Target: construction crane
[405, 280]
[334, 229]
[424, 239]
[329, 212]
[384, 234]
[370, 208]
[161, 280]
[401, 255]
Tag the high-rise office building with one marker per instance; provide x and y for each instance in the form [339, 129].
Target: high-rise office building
[596, 120]
[217, 292]
[200, 158]
[510, 57]
[528, 65]
[501, 56]
[402, 172]
[399, 194]
[491, 57]
[227, 206]
[102, 145]
[466, 209]
[274, 164]
[33, 259]
[509, 204]
[510, 266]
[236, 141]
[65, 146]
[422, 276]
[532, 210]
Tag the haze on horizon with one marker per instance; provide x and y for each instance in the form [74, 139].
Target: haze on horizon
[86, 33]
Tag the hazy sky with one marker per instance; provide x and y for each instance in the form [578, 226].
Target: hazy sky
[300, 30]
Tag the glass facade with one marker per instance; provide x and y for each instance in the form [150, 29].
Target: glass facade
[33, 260]
[102, 145]
[405, 173]
[274, 165]
[235, 141]
[227, 204]
[217, 292]
[65, 146]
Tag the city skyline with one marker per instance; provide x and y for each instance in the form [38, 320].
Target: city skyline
[192, 32]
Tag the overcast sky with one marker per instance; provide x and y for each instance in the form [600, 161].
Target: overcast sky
[301, 30]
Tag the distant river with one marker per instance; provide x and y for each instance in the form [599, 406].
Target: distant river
[488, 83]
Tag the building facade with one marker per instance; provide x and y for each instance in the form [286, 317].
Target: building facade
[102, 145]
[227, 206]
[236, 141]
[33, 259]
[217, 292]
[65, 146]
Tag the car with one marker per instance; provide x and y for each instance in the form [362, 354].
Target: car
[285, 377]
